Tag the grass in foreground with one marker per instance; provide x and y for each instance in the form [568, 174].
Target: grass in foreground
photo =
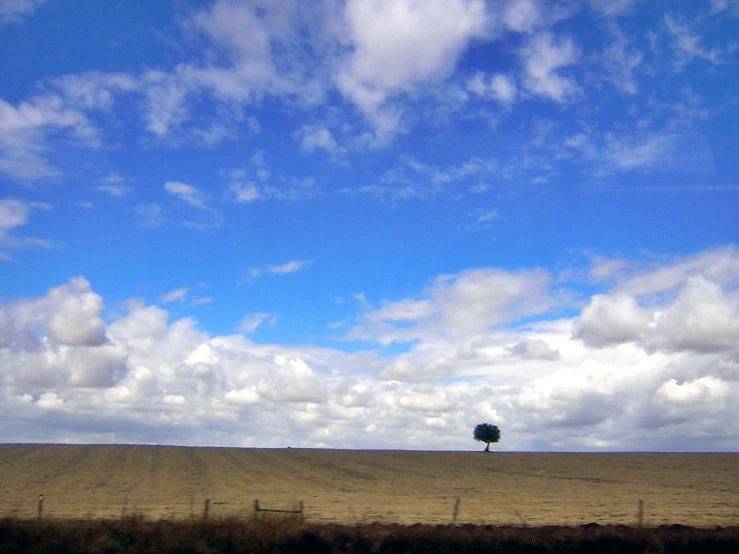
[283, 536]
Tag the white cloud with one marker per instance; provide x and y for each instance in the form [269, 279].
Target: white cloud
[94, 90]
[620, 61]
[543, 56]
[294, 382]
[459, 305]
[70, 314]
[187, 193]
[499, 86]
[480, 219]
[118, 191]
[23, 134]
[521, 15]
[15, 213]
[687, 44]
[251, 322]
[175, 295]
[610, 153]
[245, 192]
[609, 320]
[427, 401]
[398, 45]
[242, 397]
[150, 216]
[166, 103]
[707, 389]
[534, 349]
[719, 265]
[14, 11]
[730, 6]
[702, 318]
[612, 7]
[288, 267]
[318, 137]
[167, 381]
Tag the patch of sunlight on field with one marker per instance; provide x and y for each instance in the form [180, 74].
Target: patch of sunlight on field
[367, 486]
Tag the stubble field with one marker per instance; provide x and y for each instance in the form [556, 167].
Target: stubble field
[367, 486]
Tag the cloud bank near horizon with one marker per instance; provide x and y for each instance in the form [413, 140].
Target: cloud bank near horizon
[648, 362]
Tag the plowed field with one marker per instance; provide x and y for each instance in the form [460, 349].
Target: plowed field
[367, 486]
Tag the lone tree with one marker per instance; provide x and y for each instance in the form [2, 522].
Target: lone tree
[487, 433]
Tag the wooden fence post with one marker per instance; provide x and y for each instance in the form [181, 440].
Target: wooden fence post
[523, 519]
[206, 510]
[640, 513]
[456, 511]
[40, 505]
[302, 513]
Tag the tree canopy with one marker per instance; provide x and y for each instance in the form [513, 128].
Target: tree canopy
[487, 433]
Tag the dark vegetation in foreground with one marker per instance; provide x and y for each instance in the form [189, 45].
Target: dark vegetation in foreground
[135, 535]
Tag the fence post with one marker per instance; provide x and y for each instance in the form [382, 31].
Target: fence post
[40, 505]
[302, 513]
[640, 512]
[456, 511]
[206, 510]
[523, 519]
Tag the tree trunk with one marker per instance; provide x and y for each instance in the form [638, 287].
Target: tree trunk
[487, 447]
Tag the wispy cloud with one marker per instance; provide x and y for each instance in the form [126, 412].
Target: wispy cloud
[113, 185]
[14, 11]
[16, 213]
[182, 294]
[176, 295]
[150, 215]
[480, 219]
[544, 56]
[187, 193]
[118, 191]
[194, 197]
[687, 44]
[251, 322]
[283, 269]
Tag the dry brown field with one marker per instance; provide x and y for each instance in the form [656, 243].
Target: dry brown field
[347, 486]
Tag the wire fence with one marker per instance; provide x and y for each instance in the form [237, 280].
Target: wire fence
[63, 506]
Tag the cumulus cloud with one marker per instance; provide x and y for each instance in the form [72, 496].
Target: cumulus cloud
[611, 320]
[534, 349]
[702, 318]
[294, 382]
[70, 314]
[645, 371]
[398, 45]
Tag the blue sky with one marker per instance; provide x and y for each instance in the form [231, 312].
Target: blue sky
[370, 224]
